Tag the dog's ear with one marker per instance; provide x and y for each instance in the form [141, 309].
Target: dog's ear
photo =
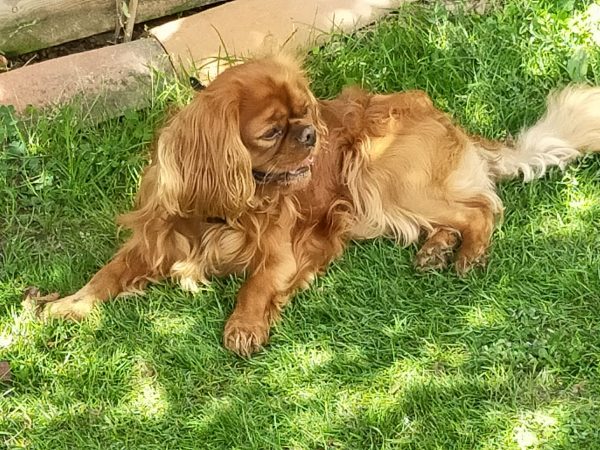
[204, 169]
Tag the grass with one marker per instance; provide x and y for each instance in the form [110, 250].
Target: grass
[374, 355]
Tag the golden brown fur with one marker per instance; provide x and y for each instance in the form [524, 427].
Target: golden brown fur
[256, 176]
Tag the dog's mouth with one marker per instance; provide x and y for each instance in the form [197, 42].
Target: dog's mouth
[285, 177]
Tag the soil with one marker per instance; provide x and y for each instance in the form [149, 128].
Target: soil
[68, 48]
[90, 43]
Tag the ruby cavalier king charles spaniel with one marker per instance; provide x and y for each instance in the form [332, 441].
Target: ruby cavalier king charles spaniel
[256, 176]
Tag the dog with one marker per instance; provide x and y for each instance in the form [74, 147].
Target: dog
[256, 176]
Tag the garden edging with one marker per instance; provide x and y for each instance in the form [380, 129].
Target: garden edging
[112, 79]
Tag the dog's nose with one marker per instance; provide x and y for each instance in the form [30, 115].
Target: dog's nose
[308, 136]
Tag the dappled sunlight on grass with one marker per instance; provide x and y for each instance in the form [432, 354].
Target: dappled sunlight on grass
[538, 65]
[445, 357]
[19, 328]
[480, 112]
[480, 316]
[405, 373]
[373, 355]
[535, 428]
[305, 394]
[583, 205]
[398, 325]
[311, 425]
[584, 25]
[580, 206]
[565, 227]
[576, 34]
[496, 375]
[147, 397]
[308, 359]
[168, 325]
[593, 19]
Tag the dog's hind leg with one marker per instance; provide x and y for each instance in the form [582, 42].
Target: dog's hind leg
[438, 249]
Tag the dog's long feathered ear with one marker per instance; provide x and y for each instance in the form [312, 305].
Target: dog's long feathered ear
[203, 166]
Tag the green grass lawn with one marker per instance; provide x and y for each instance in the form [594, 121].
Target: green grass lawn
[375, 355]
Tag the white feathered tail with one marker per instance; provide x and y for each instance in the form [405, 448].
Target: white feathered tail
[569, 129]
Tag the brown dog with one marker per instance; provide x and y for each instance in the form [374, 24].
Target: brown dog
[256, 176]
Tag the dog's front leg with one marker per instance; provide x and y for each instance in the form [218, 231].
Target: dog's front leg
[258, 301]
[126, 272]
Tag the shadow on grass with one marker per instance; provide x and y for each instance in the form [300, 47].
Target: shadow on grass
[372, 356]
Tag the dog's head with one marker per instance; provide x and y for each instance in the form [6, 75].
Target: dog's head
[256, 123]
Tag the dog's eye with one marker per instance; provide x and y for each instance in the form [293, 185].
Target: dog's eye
[273, 133]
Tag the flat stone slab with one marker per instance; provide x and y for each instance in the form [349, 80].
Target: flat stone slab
[105, 82]
[249, 27]
[101, 83]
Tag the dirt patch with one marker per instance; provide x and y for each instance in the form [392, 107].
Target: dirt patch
[68, 48]
[5, 372]
[91, 42]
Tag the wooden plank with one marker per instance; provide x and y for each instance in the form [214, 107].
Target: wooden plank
[28, 25]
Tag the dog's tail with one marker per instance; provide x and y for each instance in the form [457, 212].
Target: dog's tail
[569, 129]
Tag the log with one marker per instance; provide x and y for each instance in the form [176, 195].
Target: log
[29, 25]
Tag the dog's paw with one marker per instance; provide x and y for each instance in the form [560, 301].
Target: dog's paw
[74, 307]
[33, 300]
[465, 263]
[433, 258]
[245, 337]
[437, 251]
